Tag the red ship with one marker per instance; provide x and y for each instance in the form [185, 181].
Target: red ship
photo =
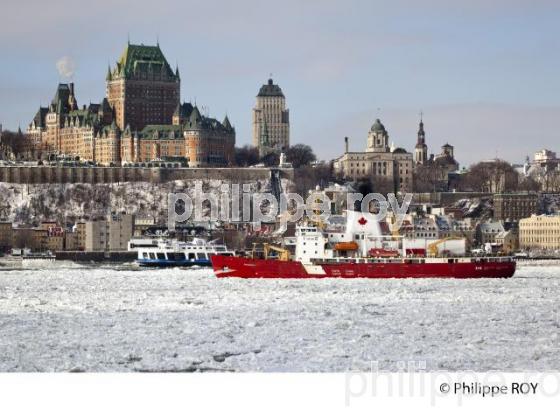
[360, 252]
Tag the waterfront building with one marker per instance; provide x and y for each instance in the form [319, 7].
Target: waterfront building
[109, 234]
[96, 236]
[120, 230]
[71, 241]
[425, 227]
[52, 235]
[540, 232]
[514, 206]
[23, 237]
[81, 232]
[142, 223]
[6, 236]
[271, 120]
[508, 240]
[486, 232]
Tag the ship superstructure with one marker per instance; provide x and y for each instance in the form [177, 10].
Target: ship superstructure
[363, 250]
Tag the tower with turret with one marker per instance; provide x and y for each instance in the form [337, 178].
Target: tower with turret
[142, 88]
[271, 119]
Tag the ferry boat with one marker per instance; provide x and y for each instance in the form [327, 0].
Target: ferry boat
[170, 253]
[372, 255]
[25, 258]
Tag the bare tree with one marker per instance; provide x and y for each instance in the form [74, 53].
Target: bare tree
[246, 156]
[271, 159]
[426, 178]
[307, 177]
[18, 144]
[300, 155]
[495, 176]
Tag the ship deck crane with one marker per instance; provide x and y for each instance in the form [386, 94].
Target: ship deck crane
[433, 247]
[283, 254]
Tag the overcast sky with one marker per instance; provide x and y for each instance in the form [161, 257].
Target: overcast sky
[485, 73]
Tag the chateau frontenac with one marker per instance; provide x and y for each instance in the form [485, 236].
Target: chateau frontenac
[141, 119]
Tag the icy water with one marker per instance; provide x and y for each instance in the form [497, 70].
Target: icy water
[101, 319]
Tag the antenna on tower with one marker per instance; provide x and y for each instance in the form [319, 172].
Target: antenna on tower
[421, 116]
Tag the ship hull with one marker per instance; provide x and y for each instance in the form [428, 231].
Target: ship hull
[163, 263]
[247, 268]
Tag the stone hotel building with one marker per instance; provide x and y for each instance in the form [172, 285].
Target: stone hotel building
[141, 119]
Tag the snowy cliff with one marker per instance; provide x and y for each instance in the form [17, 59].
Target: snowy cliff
[29, 203]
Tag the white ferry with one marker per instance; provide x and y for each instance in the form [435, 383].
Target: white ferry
[169, 253]
[24, 258]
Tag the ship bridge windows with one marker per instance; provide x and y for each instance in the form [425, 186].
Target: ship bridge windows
[200, 255]
[192, 256]
[161, 256]
[179, 256]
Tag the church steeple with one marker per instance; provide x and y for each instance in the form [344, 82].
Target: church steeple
[421, 149]
[421, 133]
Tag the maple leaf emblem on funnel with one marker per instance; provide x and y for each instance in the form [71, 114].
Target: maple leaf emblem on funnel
[362, 221]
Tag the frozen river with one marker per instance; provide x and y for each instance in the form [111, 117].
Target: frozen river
[99, 319]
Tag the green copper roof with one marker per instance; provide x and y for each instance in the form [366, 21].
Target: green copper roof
[270, 90]
[183, 110]
[39, 119]
[140, 58]
[227, 124]
[157, 132]
[377, 126]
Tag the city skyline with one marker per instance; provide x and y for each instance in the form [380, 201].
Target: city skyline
[473, 70]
